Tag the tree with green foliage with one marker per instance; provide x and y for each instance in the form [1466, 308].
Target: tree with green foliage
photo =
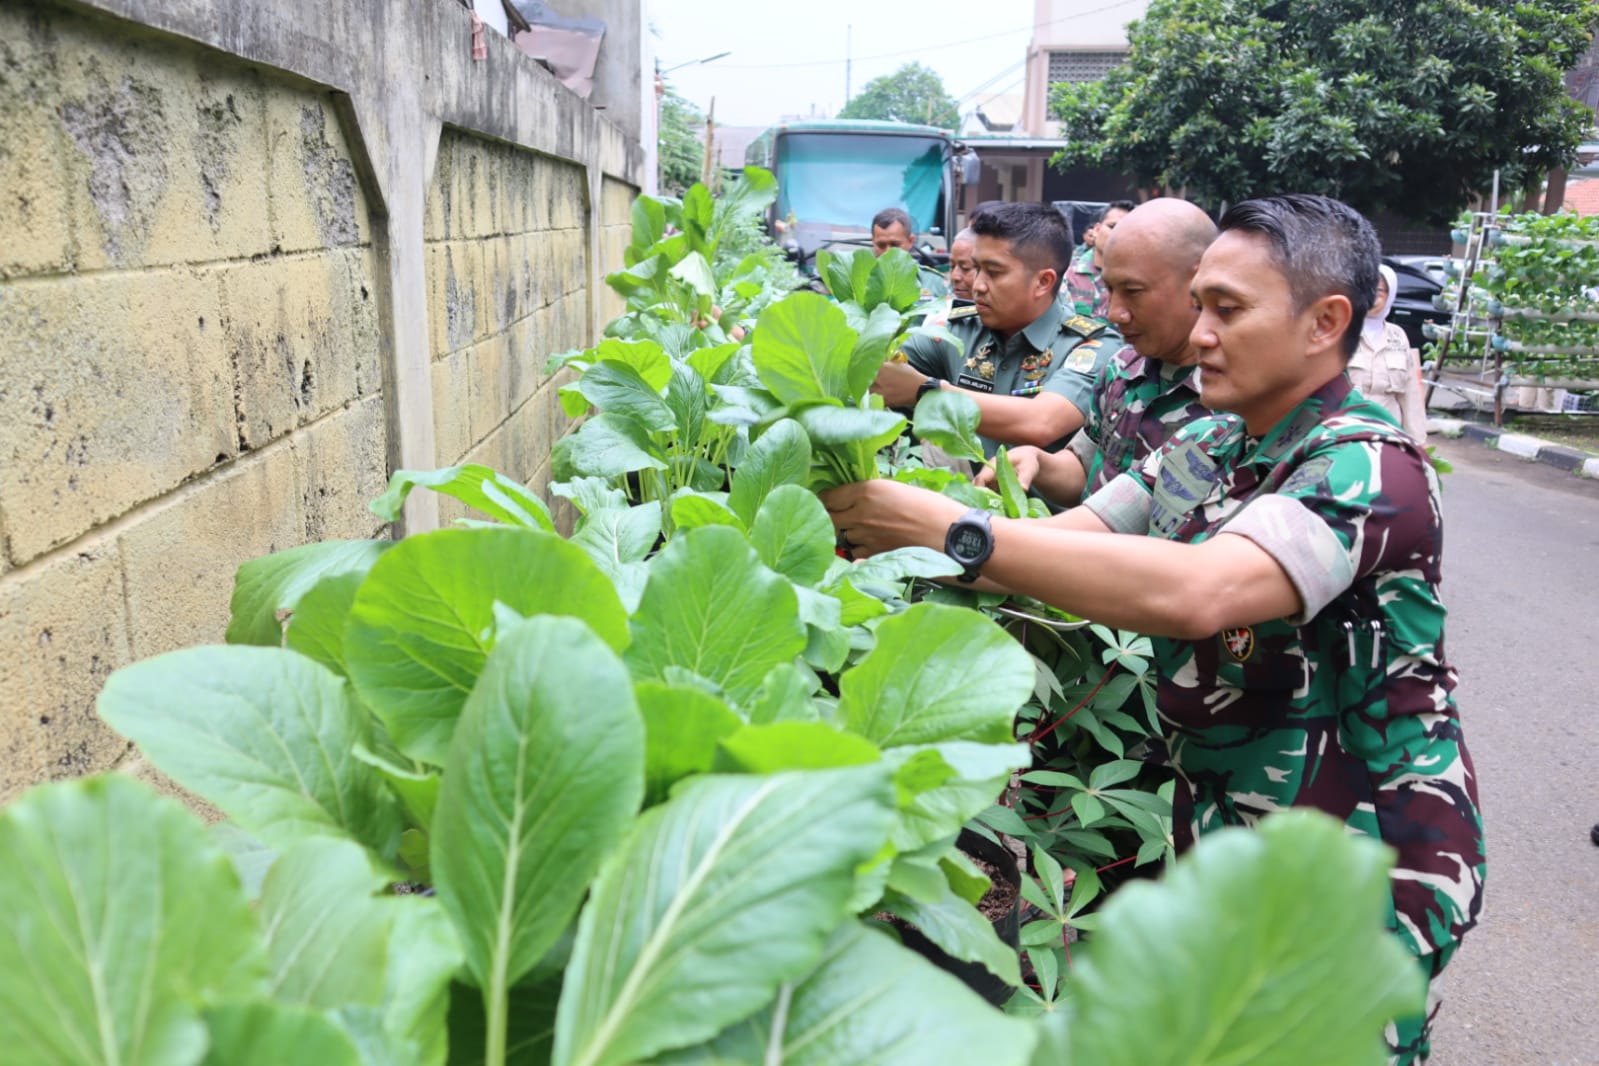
[1407, 105]
[682, 155]
[913, 93]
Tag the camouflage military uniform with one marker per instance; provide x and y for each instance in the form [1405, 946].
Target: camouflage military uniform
[1084, 291]
[1138, 404]
[1347, 708]
[1058, 353]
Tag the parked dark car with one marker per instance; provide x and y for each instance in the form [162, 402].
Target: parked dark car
[1413, 305]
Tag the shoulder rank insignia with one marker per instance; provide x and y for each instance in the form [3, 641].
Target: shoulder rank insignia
[1083, 325]
[969, 311]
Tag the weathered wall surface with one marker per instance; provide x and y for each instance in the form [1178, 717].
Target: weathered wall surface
[253, 257]
[507, 262]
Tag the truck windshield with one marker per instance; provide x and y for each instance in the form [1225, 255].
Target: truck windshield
[842, 180]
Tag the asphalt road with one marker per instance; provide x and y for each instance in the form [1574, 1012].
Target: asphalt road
[1521, 581]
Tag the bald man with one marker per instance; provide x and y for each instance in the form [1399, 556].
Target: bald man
[1147, 390]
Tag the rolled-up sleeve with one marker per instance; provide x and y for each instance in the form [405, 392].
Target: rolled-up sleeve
[1123, 505]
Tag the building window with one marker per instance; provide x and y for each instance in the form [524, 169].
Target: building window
[1083, 66]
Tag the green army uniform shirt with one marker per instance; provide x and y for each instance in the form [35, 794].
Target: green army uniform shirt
[1348, 707]
[1058, 353]
[1138, 404]
[935, 286]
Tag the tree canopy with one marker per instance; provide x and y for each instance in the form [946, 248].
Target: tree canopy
[913, 93]
[1407, 105]
[682, 156]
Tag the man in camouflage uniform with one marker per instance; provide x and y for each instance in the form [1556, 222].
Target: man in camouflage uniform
[1286, 559]
[1029, 366]
[1146, 390]
[1084, 291]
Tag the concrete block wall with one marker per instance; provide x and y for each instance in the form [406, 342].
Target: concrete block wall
[245, 273]
[507, 234]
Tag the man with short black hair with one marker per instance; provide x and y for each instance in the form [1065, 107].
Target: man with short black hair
[1285, 560]
[1085, 289]
[1147, 389]
[891, 228]
[1028, 364]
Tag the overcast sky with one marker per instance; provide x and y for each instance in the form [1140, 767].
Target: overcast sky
[789, 56]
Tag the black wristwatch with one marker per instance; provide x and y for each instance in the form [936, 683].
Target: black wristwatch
[930, 385]
[970, 541]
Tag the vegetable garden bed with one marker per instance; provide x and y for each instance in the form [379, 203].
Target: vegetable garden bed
[657, 773]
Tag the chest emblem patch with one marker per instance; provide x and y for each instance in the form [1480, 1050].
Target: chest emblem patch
[1240, 642]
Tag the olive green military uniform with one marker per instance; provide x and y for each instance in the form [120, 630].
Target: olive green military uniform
[935, 286]
[1059, 353]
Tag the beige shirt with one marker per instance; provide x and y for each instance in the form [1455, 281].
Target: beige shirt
[1390, 376]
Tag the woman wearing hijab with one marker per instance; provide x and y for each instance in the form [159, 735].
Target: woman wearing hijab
[1385, 368]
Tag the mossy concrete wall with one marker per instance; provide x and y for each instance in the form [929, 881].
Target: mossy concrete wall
[254, 256]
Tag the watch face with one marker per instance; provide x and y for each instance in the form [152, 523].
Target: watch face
[968, 542]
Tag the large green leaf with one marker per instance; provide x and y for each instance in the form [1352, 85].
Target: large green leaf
[531, 1033]
[949, 418]
[802, 350]
[895, 280]
[835, 272]
[681, 728]
[120, 914]
[327, 937]
[747, 876]
[764, 749]
[693, 510]
[780, 456]
[649, 225]
[870, 1001]
[937, 673]
[545, 772]
[943, 786]
[686, 398]
[479, 487]
[694, 270]
[711, 608]
[645, 356]
[590, 494]
[877, 332]
[834, 426]
[616, 536]
[316, 629]
[1241, 954]
[618, 389]
[793, 535]
[421, 625]
[265, 734]
[272, 1034]
[263, 587]
[416, 988]
[934, 908]
[607, 445]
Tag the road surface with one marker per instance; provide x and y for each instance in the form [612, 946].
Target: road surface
[1521, 581]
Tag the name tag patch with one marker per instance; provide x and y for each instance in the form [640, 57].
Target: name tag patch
[967, 381]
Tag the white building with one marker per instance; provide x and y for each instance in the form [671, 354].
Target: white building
[1073, 40]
